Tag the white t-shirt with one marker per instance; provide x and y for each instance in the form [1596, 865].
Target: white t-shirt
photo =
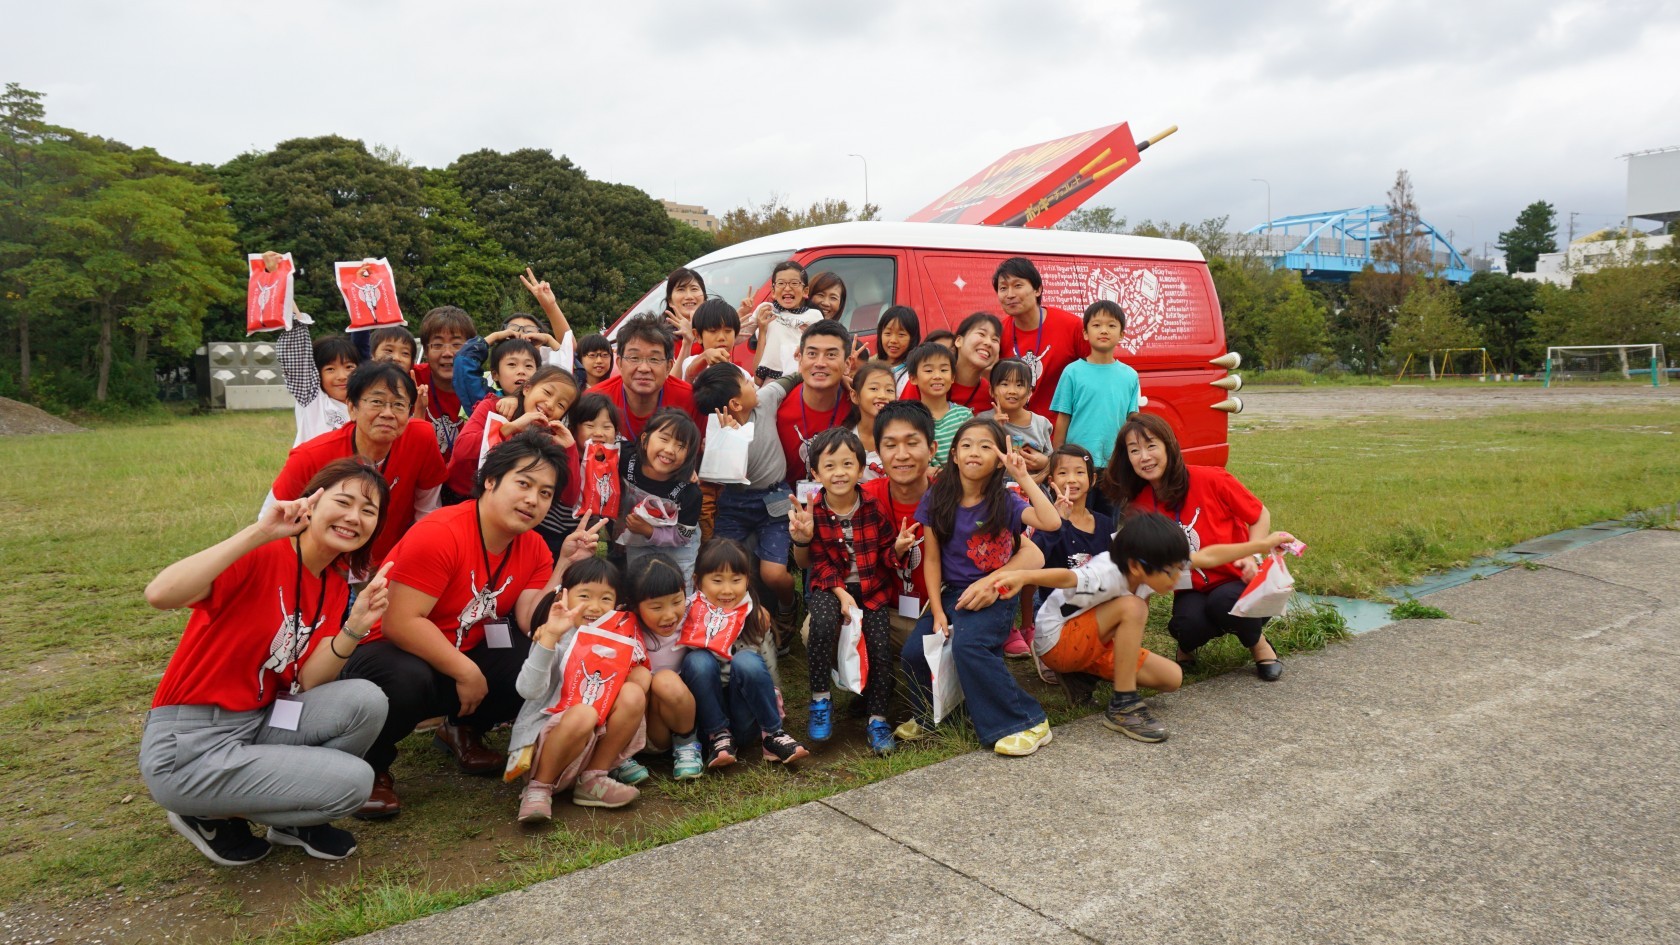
[781, 338]
[1099, 580]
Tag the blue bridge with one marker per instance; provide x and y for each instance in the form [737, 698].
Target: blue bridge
[1332, 245]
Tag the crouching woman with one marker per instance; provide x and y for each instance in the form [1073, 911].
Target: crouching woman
[250, 724]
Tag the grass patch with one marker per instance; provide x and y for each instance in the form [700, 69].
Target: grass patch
[91, 517]
[1412, 610]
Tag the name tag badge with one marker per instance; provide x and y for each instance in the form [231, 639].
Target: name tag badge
[496, 636]
[807, 491]
[285, 713]
[909, 607]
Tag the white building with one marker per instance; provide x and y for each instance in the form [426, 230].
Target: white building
[1653, 195]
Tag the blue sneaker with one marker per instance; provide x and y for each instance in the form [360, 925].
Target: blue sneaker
[821, 725]
[631, 772]
[881, 737]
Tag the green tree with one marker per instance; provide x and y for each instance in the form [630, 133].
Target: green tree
[1534, 233]
[1502, 310]
[1093, 220]
[463, 265]
[24, 201]
[1428, 321]
[1296, 327]
[774, 216]
[1362, 326]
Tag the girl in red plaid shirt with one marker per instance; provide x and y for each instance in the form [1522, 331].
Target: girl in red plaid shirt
[850, 548]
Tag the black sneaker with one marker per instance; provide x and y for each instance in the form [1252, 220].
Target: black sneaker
[1078, 687]
[322, 841]
[720, 751]
[783, 748]
[224, 842]
[1134, 721]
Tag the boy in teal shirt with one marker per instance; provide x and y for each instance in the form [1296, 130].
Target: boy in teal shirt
[1095, 396]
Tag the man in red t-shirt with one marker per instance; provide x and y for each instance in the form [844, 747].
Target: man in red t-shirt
[382, 434]
[904, 441]
[1048, 339]
[644, 385]
[464, 584]
[818, 400]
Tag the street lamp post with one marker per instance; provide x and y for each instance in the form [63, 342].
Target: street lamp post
[1262, 180]
[865, 177]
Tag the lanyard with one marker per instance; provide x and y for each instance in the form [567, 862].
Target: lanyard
[833, 418]
[1038, 339]
[630, 418]
[973, 392]
[299, 640]
[495, 577]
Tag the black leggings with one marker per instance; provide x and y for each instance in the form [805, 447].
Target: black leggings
[825, 640]
[1200, 617]
[417, 692]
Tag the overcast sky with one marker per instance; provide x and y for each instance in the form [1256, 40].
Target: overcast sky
[1490, 104]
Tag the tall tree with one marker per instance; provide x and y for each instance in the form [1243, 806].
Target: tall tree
[1535, 233]
[1429, 321]
[775, 216]
[23, 199]
[1405, 243]
[1502, 311]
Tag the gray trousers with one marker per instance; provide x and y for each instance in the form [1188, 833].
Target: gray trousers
[205, 761]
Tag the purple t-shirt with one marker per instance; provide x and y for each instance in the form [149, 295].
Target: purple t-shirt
[968, 557]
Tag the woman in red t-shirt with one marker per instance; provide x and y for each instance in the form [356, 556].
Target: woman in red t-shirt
[1213, 508]
[250, 723]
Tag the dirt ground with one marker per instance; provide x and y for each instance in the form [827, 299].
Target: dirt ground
[17, 419]
[1280, 404]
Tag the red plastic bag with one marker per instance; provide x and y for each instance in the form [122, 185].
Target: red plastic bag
[601, 488]
[268, 297]
[370, 293]
[706, 627]
[597, 662]
[1268, 594]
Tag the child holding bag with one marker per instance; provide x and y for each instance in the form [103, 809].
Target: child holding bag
[660, 510]
[584, 703]
[971, 522]
[726, 667]
[659, 600]
[852, 551]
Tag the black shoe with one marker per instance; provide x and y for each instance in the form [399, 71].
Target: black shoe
[224, 842]
[1134, 721]
[1078, 687]
[781, 747]
[1269, 670]
[322, 841]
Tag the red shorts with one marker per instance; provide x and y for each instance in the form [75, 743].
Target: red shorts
[1078, 650]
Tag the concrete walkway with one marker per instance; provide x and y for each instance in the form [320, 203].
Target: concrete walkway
[1510, 775]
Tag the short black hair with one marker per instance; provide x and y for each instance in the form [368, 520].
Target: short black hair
[980, 318]
[1105, 307]
[913, 412]
[716, 386]
[906, 318]
[1151, 540]
[648, 328]
[936, 336]
[651, 576]
[830, 328]
[524, 450]
[588, 407]
[926, 351]
[593, 343]
[336, 347]
[592, 571]
[1012, 367]
[371, 374]
[526, 316]
[788, 265]
[1018, 267]
[714, 314]
[395, 333]
[508, 347]
[679, 426]
[836, 438]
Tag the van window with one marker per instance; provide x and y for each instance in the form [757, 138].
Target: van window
[870, 281]
[728, 279]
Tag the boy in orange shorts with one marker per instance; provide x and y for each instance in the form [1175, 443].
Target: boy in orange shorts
[1091, 626]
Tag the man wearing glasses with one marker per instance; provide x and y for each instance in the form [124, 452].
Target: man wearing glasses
[381, 433]
[644, 384]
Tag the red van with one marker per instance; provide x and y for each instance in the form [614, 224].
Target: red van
[1174, 329]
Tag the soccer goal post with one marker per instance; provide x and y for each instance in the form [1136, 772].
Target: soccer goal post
[1447, 362]
[1577, 363]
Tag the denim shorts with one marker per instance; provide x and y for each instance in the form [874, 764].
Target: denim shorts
[758, 515]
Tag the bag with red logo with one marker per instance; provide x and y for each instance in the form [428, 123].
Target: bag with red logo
[268, 296]
[601, 488]
[597, 662]
[706, 627]
[851, 659]
[1268, 594]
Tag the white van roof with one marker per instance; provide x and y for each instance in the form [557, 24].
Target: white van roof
[1002, 239]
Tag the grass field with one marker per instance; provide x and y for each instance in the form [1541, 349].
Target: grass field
[91, 517]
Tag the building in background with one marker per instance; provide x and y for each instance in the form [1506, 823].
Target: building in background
[1653, 196]
[692, 214]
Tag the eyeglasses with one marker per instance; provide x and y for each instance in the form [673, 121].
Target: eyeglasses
[655, 362]
[785, 284]
[380, 406]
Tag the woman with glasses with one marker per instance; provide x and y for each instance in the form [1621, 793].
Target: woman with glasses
[382, 434]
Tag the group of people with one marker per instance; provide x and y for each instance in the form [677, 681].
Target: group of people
[528, 528]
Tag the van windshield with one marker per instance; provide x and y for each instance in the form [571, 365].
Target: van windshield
[727, 279]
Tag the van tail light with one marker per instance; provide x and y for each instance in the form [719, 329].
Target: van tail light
[1228, 382]
[1229, 405]
[1230, 361]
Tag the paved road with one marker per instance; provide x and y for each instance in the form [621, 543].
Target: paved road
[1506, 776]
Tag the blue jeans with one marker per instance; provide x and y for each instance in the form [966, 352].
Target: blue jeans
[748, 707]
[745, 513]
[997, 705]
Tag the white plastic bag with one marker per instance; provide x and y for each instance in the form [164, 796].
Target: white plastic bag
[851, 659]
[942, 664]
[724, 457]
[1268, 594]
